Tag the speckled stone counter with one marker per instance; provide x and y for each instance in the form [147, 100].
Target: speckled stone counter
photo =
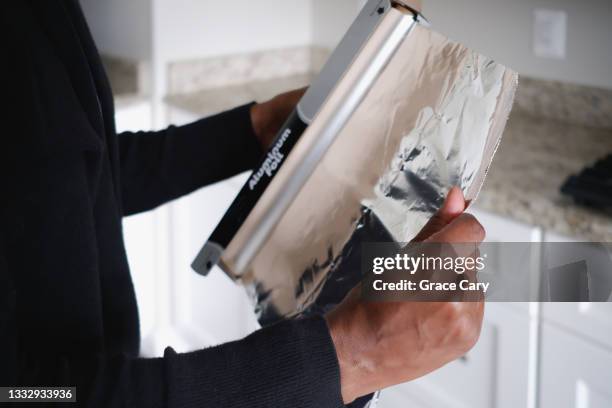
[123, 76]
[211, 101]
[535, 158]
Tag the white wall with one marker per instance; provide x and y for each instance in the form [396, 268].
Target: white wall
[122, 28]
[503, 29]
[201, 28]
[188, 29]
[331, 19]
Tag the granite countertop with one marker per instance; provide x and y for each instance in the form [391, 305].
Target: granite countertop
[127, 100]
[535, 157]
[211, 101]
[123, 76]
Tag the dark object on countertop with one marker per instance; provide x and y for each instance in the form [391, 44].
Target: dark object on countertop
[593, 186]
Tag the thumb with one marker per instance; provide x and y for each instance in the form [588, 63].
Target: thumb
[463, 229]
[453, 206]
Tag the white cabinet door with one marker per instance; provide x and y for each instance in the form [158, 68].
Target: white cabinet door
[582, 270]
[589, 319]
[574, 373]
[592, 320]
[493, 375]
[503, 234]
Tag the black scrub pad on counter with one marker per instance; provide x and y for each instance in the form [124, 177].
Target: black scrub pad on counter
[593, 186]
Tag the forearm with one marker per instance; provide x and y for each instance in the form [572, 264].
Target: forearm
[292, 364]
[157, 167]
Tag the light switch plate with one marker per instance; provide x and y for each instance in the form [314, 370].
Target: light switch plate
[549, 33]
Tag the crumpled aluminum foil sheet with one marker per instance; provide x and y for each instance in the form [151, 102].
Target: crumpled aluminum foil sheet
[432, 120]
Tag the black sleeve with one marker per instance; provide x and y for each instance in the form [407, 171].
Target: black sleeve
[157, 167]
[292, 364]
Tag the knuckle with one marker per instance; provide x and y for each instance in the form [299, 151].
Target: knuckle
[476, 228]
[451, 311]
[464, 327]
[467, 332]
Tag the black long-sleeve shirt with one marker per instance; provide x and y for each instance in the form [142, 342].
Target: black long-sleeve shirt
[68, 314]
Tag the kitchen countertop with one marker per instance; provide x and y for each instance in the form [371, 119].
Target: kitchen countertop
[129, 100]
[209, 102]
[534, 159]
[123, 76]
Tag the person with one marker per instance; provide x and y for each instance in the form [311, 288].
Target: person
[68, 314]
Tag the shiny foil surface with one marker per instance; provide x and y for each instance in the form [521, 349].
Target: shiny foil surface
[432, 120]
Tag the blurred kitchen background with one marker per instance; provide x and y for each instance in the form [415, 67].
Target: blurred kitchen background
[171, 62]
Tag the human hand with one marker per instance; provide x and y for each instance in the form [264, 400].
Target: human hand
[382, 344]
[268, 117]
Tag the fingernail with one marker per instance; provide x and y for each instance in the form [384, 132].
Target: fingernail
[455, 203]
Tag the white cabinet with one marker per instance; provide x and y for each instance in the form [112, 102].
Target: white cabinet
[505, 237]
[577, 269]
[574, 373]
[591, 320]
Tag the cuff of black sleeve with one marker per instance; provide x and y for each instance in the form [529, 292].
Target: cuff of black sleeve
[252, 149]
[230, 135]
[291, 364]
[240, 135]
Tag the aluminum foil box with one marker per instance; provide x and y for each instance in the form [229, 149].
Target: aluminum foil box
[398, 116]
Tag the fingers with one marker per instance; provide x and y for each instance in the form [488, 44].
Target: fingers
[268, 117]
[463, 229]
[287, 101]
[453, 206]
